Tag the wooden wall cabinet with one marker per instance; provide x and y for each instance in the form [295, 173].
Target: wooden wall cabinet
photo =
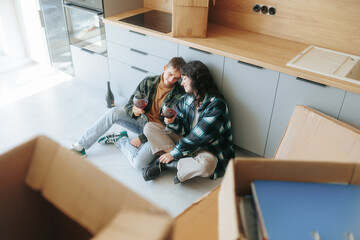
[293, 91]
[214, 62]
[250, 93]
[350, 111]
[190, 18]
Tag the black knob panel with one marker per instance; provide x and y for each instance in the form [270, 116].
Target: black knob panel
[256, 8]
[264, 9]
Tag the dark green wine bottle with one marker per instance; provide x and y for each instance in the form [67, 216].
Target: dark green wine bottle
[109, 97]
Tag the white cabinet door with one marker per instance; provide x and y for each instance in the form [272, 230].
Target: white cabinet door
[214, 62]
[294, 91]
[350, 111]
[250, 93]
[125, 78]
[90, 68]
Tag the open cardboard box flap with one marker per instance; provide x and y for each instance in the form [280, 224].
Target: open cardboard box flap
[241, 172]
[79, 190]
[312, 135]
[200, 220]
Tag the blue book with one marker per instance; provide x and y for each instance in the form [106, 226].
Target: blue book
[301, 211]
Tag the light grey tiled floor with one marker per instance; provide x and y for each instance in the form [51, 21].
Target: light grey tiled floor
[64, 112]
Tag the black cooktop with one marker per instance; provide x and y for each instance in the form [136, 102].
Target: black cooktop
[155, 20]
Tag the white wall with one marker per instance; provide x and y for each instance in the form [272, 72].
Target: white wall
[21, 35]
[34, 35]
[11, 37]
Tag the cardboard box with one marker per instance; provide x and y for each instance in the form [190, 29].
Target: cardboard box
[48, 192]
[200, 220]
[312, 135]
[241, 172]
[190, 18]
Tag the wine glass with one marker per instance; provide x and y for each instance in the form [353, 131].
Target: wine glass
[140, 100]
[168, 112]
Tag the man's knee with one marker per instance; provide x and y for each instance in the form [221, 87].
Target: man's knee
[116, 113]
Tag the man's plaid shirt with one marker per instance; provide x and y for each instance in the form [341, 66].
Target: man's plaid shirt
[211, 133]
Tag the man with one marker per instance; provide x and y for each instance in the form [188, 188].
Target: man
[201, 141]
[159, 90]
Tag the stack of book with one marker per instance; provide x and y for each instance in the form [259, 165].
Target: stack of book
[299, 211]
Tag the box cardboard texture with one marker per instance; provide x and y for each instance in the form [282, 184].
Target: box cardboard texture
[48, 192]
[190, 18]
[312, 135]
[200, 220]
[241, 172]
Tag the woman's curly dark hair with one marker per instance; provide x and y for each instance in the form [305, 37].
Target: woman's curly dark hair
[201, 80]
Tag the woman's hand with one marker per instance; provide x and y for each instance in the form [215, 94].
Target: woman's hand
[169, 120]
[166, 158]
[137, 111]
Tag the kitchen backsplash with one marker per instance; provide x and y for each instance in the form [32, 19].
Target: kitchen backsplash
[331, 24]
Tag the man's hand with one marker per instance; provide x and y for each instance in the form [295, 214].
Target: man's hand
[137, 111]
[166, 158]
[136, 142]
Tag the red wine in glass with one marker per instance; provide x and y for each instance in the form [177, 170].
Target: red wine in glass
[141, 103]
[169, 113]
[140, 100]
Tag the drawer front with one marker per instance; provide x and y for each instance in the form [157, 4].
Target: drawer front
[154, 46]
[90, 68]
[125, 78]
[214, 62]
[135, 57]
[350, 111]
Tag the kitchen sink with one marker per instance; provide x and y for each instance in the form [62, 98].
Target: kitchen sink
[328, 62]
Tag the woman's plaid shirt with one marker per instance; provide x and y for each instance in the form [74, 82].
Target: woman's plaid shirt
[211, 133]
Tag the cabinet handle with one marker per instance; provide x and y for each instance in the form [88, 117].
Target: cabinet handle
[139, 69]
[142, 34]
[138, 51]
[202, 51]
[84, 9]
[311, 82]
[250, 65]
[87, 50]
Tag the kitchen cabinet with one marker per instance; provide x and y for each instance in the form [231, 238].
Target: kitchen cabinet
[294, 91]
[142, 42]
[124, 78]
[350, 111]
[250, 93]
[132, 56]
[214, 62]
[90, 68]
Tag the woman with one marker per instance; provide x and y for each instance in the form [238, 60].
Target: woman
[201, 140]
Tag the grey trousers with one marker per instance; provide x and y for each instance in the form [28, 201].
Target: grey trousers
[201, 163]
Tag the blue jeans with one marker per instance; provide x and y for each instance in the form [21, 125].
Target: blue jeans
[138, 157]
[116, 115]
